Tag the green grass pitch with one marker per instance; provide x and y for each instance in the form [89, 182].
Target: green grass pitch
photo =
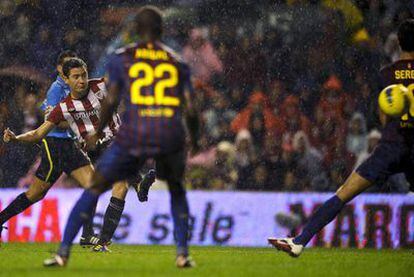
[134, 260]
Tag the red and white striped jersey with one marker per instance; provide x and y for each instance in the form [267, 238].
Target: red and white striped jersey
[83, 114]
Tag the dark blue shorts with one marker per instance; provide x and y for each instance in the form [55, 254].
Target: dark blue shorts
[388, 158]
[117, 164]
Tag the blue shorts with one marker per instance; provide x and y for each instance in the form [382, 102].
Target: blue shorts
[388, 158]
[117, 164]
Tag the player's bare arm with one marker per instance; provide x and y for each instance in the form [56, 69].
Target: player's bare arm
[31, 136]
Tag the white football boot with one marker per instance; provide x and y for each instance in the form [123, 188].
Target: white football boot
[287, 245]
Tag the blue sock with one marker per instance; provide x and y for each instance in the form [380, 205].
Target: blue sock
[325, 214]
[80, 213]
[180, 213]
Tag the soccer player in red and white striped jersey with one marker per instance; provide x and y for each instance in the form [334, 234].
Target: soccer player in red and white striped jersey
[81, 110]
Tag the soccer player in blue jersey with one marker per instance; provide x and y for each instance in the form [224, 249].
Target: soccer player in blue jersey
[393, 154]
[156, 89]
[58, 154]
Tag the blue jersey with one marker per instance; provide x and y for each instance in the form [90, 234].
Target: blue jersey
[152, 79]
[56, 93]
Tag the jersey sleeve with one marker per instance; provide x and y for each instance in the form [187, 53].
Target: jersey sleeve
[53, 96]
[56, 115]
[115, 71]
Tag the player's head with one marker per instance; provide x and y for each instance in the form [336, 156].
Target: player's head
[75, 74]
[64, 56]
[149, 23]
[406, 35]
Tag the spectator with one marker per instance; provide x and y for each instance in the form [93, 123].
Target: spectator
[277, 93]
[218, 114]
[309, 161]
[260, 178]
[294, 120]
[356, 141]
[31, 113]
[326, 130]
[43, 48]
[372, 139]
[201, 56]
[257, 112]
[337, 173]
[291, 181]
[333, 99]
[276, 165]
[245, 158]
[223, 175]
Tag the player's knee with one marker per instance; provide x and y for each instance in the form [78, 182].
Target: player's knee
[353, 186]
[120, 190]
[35, 195]
[98, 184]
[37, 192]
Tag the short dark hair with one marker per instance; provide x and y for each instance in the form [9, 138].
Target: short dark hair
[149, 22]
[72, 63]
[65, 54]
[406, 35]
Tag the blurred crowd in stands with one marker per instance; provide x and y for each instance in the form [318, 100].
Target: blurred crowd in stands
[286, 89]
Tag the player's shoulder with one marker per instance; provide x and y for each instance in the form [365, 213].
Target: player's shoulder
[387, 67]
[63, 102]
[127, 49]
[57, 86]
[97, 84]
[171, 52]
[399, 64]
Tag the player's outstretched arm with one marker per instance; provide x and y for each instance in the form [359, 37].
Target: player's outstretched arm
[31, 136]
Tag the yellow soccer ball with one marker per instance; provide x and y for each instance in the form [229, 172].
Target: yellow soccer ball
[393, 101]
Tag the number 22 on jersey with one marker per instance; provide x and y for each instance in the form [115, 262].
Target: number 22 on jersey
[150, 74]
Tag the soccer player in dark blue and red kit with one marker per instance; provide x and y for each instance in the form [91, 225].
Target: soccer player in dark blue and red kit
[155, 86]
[393, 154]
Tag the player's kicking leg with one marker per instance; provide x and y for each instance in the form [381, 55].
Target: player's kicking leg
[383, 162]
[353, 186]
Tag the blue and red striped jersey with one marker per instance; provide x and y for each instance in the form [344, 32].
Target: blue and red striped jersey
[152, 79]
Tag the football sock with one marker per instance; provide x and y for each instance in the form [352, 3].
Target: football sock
[325, 214]
[112, 217]
[17, 206]
[81, 212]
[87, 227]
[180, 212]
